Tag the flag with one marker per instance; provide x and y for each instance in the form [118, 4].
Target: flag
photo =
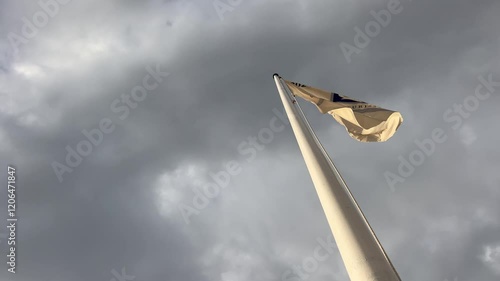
[365, 122]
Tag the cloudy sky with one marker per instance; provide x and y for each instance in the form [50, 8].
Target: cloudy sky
[124, 204]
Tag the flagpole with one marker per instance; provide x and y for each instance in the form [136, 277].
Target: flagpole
[363, 255]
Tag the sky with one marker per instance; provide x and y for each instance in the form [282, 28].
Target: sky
[120, 116]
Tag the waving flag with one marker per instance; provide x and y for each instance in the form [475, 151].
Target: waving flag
[364, 122]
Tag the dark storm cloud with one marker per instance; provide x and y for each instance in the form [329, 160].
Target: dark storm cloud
[107, 214]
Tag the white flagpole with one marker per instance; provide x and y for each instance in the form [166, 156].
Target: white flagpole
[363, 255]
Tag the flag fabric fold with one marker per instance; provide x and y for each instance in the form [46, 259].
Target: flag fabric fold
[364, 122]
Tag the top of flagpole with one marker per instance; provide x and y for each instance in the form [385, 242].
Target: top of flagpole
[290, 95]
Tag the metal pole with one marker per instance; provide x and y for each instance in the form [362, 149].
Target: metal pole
[362, 253]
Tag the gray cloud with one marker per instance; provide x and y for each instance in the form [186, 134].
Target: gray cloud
[119, 207]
